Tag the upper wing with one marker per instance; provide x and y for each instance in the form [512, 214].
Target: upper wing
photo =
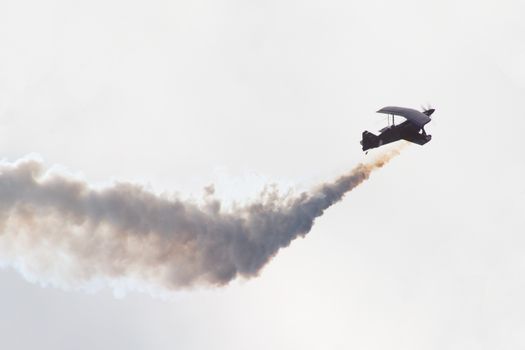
[414, 116]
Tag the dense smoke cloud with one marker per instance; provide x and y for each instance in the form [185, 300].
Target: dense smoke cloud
[57, 230]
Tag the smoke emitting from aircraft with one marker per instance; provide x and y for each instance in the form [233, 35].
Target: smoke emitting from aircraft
[59, 231]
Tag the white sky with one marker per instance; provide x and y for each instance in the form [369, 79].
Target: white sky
[177, 95]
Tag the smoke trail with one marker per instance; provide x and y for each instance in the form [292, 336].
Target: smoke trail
[59, 231]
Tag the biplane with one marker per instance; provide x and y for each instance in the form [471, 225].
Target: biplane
[412, 129]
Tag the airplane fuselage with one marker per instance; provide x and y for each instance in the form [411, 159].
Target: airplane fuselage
[404, 131]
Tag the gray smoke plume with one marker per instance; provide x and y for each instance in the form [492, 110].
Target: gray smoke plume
[59, 231]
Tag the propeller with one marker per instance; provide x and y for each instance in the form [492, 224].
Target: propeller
[428, 110]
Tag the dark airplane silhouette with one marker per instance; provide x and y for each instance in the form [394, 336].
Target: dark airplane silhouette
[412, 129]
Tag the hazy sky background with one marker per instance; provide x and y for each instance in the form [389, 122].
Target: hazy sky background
[177, 95]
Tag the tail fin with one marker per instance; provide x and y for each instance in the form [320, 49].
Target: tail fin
[369, 140]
